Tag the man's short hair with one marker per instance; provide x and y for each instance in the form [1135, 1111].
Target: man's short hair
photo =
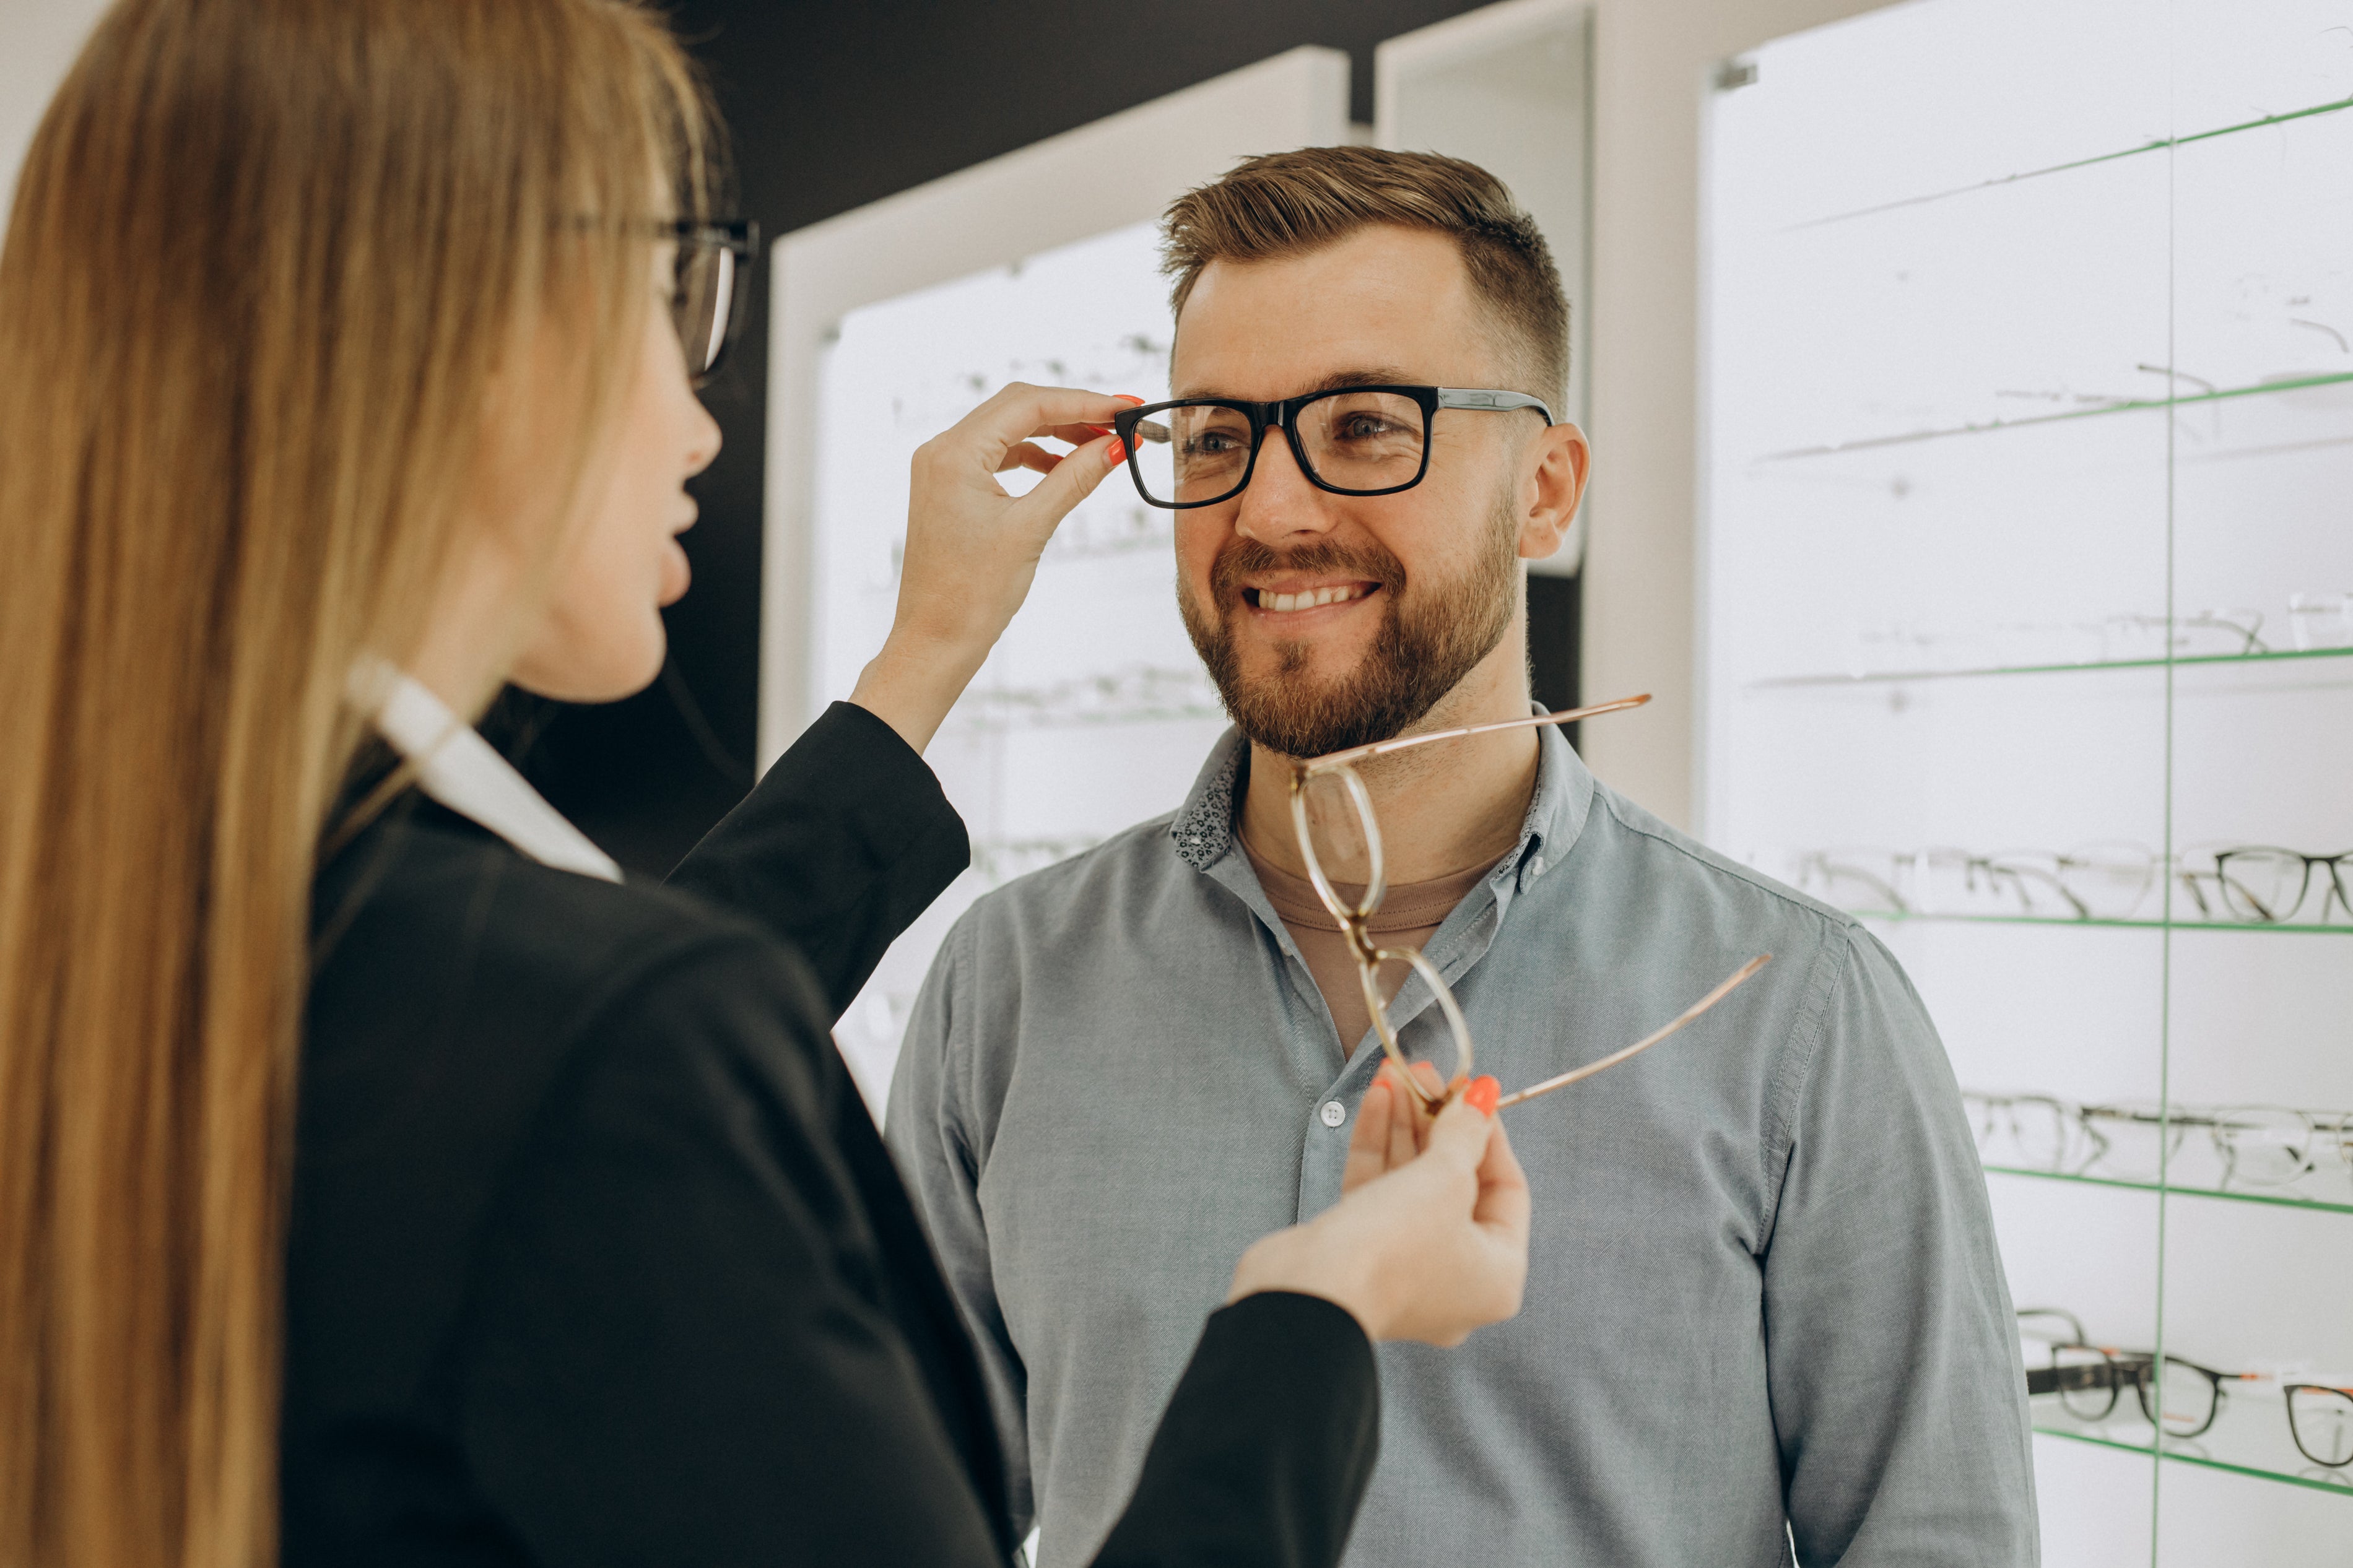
[1288, 203]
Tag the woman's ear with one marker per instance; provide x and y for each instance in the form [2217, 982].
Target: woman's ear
[1561, 463]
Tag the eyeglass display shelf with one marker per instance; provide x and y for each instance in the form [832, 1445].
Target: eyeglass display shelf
[2096, 923]
[1888, 677]
[2250, 1437]
[2277, 1200]
[2158, 145]
[995, 723]
[2099, 410]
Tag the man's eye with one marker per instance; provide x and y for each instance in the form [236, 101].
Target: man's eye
[1212, 443]
[1364, 427]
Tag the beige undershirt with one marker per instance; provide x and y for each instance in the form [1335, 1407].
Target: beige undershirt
[1409, 917]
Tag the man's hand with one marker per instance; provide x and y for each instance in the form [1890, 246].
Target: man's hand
[973, 549]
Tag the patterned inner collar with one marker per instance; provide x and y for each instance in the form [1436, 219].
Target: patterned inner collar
[1203, 830]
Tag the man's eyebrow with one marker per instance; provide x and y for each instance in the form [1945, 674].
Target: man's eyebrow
[1338, 381]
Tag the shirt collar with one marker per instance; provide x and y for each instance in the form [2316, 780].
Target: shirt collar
[1203, 830]
[459, 769]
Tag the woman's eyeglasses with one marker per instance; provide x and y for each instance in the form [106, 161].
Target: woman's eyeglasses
[1352, 440]
[706, 301]
[1321, 844]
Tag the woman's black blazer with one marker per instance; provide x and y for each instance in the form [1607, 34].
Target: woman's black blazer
[596, 1256]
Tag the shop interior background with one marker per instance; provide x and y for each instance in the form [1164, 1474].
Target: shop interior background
[1899, 715]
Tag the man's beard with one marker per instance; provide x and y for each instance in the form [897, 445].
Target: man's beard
[1423, 649]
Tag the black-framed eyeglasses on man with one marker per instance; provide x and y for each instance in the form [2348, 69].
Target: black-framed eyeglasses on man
[1349, 440]
[707, 292]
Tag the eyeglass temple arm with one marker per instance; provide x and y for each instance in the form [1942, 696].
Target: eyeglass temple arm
[1405, 742]
[1731, 983]
[1475, 398]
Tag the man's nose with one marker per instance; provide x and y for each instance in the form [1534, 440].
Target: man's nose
[1281, 505]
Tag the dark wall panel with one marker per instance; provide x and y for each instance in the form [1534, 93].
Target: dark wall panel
[833, 106]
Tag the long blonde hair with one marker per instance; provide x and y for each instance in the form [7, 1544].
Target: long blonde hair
[270, 263]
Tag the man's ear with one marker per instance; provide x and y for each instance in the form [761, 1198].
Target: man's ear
[1560, 463]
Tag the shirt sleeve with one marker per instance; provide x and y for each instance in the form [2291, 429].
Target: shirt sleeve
[1898, 1386]
[679, 1350]
[836, 850]
[932, 1137]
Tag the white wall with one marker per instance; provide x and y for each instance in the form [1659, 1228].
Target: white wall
[1655, 62]
[39, 40]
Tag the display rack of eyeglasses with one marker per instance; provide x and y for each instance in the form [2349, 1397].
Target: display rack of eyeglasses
[2274, 1154]
[2291, 1423]
[1135, 694]
[2030, 641]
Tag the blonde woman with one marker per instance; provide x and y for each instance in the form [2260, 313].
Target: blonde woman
[382, 1180]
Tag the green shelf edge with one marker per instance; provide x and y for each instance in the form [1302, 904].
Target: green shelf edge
[2250, 926]
[2122, 405]
[2261, 1475]
[2096, 159]
[2315, 1205]
[1790, 682]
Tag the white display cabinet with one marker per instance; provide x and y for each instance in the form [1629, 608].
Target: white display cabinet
[2028, 582]
[1510, 88]
[890, 322]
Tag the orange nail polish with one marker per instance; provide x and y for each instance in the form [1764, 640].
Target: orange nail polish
[1483, 1094]
[1129, 398]
[1118, 452]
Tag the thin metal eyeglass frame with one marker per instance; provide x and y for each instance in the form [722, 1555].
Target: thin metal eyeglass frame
[1355, 919]
[1134, 425]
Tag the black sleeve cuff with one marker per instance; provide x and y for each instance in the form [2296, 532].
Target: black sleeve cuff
[1267, 1445]
[836, 850]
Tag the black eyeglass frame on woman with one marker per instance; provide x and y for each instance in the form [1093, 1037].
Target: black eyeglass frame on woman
[1134, 425]
[707, 290]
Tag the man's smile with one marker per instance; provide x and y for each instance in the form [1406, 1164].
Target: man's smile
[1288, 598]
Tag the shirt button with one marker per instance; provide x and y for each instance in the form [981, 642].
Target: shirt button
[1535, 867]
[1334, 1113]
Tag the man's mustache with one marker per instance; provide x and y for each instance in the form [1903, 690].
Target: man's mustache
[1249, 558]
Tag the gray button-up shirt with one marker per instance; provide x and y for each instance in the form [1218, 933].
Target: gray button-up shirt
[1764, 1289]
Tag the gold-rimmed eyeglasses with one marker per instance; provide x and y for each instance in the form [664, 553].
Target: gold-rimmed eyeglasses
[1355, 919]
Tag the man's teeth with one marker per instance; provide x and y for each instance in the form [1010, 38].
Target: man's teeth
[1282, 603]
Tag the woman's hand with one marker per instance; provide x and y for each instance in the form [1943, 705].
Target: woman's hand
[972, 549]
[1430, 1237]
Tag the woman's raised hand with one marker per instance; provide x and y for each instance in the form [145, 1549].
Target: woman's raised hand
[973, 549]
[1429, 1239]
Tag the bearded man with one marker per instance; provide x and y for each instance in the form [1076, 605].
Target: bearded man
[1764, 1312]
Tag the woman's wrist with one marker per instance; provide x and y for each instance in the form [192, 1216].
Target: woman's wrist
[1297, 1261]
[910, 685]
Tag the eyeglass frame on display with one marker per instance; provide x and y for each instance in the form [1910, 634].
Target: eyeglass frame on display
[2008, 864]
[1369, 955]
[2288, 1391]
[2115, 1366]
[737, 242]
[2325, 1128]
[1132, 425]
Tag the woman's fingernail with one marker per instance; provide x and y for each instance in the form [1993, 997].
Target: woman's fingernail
[1483, 1094]
[1129, 398]
[1117, 453]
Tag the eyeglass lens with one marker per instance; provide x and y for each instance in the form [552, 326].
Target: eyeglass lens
[703, 304]
[2087, 1381]
[2321, 1420]
[1337, 845]
[1357, 441]
[2189, 1397]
